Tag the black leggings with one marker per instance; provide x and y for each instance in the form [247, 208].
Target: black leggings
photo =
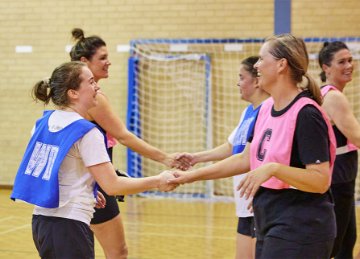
[275, 248]
[343, 194]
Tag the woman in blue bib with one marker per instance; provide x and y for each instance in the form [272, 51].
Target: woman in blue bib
[65, 158]
[251, 92]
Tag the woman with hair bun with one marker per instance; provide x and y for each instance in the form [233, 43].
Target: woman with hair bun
[336, 63]
[107, 223]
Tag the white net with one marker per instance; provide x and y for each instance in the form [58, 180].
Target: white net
[183, 98]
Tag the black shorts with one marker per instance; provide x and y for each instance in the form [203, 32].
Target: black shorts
[56, 237]
[246, 226]
[110, 211]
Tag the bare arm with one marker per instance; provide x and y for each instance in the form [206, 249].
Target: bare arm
[111, 123]
[106, 177]
[218, 153]
[314, 178]
[340, 113]
[233, 165]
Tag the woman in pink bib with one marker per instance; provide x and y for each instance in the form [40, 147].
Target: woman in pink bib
[336, 62]
[289, 160]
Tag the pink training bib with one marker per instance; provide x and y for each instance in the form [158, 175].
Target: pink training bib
[273, 138]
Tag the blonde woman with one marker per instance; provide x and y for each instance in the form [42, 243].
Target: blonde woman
[289, 160]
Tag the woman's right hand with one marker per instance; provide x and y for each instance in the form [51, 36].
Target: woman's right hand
[178, 161]
[164, 184]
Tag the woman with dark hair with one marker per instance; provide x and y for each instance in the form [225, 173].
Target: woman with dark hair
[251, 92]
[336, 64]
[107, 223]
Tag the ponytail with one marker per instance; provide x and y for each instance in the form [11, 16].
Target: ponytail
[41, 91]
[63, 78]
[314, 89]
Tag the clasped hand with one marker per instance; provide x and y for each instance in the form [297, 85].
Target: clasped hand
[165, 184]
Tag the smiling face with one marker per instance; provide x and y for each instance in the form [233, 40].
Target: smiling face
[88, 89]
[339, 72]
[266, 67]
[99, 63]
[247, 83]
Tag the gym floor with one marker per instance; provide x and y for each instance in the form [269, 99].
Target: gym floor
[155, 229]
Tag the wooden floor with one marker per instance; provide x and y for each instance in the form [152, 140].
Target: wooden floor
[155, 229]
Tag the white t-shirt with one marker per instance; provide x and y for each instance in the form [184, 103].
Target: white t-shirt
[241, 203]
[76, 184]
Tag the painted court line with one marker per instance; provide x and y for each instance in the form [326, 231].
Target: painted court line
[14, 229]
[177, 225]
[6, 218]
[177, 235]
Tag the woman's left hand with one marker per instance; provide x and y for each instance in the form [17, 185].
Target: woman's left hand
[100, 201]
[253, 179]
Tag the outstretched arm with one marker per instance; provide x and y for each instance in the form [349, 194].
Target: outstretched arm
[233, 165]
[218, 153]
[104, 115]
[112, 184]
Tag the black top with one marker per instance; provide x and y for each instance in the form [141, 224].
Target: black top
[292, 214]
[346, 165]
[108, 149]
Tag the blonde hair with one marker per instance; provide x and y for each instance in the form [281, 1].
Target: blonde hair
[293, 49]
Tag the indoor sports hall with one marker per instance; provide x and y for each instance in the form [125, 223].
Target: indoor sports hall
[173, 82]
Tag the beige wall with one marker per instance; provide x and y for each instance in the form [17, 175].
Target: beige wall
[46, 26]
[326, 18]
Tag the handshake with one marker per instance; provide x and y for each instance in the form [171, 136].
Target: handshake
[169, 180]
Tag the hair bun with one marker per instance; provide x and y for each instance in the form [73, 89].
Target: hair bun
[78, 34]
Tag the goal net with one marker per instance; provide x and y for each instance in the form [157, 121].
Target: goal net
[183, 97]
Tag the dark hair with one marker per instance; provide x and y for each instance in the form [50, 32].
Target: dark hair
[327, 53]
[63, 78]
[249, 63]
[84, 46]
[293, 49]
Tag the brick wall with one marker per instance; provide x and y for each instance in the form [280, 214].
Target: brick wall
[46, 26]
[326, 18]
